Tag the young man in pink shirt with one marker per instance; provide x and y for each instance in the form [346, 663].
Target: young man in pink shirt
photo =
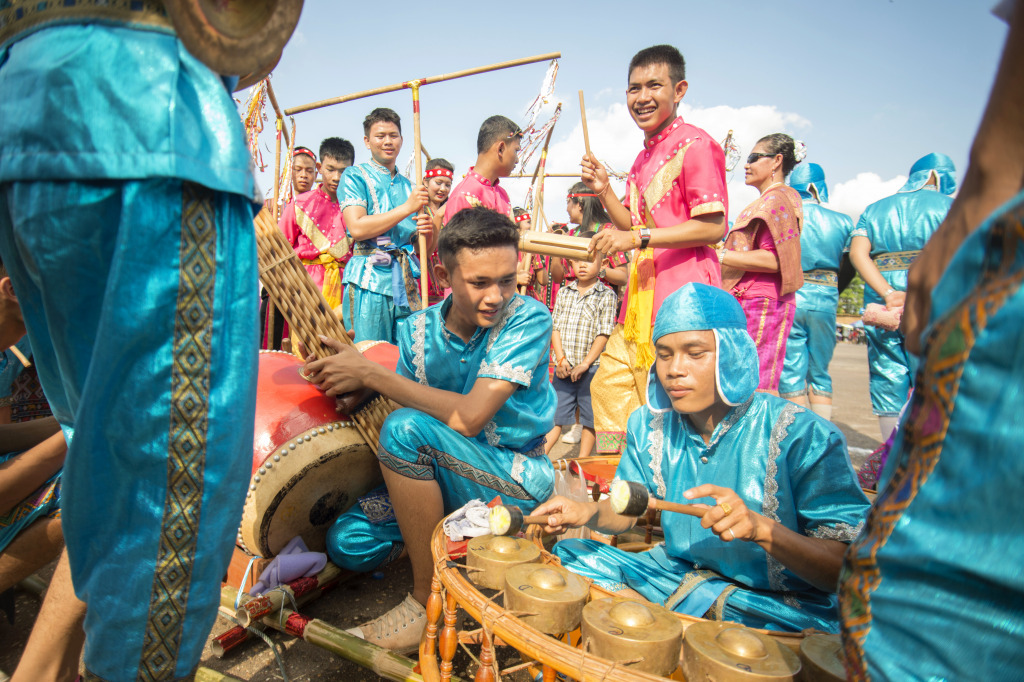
[675, 209]
[314, 225]
[497, 147]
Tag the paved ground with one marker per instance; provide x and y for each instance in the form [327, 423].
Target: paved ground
[370, 595]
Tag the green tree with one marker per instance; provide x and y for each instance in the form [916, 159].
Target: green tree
[852, 299]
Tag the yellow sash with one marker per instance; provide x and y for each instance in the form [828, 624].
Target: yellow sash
[332, 277]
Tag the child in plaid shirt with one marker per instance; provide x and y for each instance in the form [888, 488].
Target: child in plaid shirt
[584, 317]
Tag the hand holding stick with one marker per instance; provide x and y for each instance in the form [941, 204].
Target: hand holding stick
[632, 499]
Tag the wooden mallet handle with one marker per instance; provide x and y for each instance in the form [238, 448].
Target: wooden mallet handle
[632, 499]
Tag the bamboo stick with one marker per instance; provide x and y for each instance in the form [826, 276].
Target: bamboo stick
[420, 238]
[308, 314]
[277, 168]
[547, 175]
[277, 109]
[422, 81]
[25, 362]
[542, 172]
[583, 115]
[388, 665]
[208, 675]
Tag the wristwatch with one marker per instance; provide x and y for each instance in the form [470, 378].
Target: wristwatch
[645, 237]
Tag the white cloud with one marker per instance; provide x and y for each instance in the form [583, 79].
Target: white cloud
[853, 196]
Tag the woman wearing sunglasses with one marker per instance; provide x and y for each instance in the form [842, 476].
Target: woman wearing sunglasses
[761, 258]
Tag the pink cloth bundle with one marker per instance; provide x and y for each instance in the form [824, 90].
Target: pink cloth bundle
[878, 315]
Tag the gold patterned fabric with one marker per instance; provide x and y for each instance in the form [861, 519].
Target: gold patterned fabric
[20, 17]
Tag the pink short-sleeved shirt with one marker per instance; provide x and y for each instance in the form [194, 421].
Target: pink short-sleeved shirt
[679, 174]
[476, 190]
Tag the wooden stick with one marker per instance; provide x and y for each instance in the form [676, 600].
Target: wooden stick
[277, 168]
[25, 362]
[422, 81]
[542, 172]
[421, 239]
[277, 109]
[689, 509]
[534, 175]
[583, 115]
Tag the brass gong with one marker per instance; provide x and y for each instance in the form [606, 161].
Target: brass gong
[625, 629]
[548, 598]
[495, 555]
[728, 652]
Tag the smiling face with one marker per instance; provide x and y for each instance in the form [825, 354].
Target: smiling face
[384, 143]
[685, 364]
[652, 97]
[303, 173]
[483, 281]
[439, 187]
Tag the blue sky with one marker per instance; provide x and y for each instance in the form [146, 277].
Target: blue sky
[869, 85]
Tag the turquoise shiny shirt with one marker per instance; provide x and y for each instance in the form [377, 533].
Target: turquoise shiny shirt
[782, 460]
[515, 349]
[901, 222]
[826, 235]
[117, 103]
[373, 187]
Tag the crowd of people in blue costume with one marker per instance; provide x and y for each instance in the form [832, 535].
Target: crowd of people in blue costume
[128, 293]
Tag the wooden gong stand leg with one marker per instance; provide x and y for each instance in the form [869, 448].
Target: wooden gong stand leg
[428, 648]
[448, 639]
[549, 673]
[485, 673]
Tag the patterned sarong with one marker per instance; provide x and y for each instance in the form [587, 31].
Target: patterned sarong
[619, 387]
[769, 322]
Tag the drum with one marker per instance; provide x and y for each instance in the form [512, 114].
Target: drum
[309, 463]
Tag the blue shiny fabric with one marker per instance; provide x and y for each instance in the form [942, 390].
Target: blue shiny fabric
[937, 570]
[506, 458]
[901, 222]
[812, 339]
[139, 293]
[696, 306]
[373, 316]
[784, 462]
[358, 543]
[939, 164]
[373, 187]
[806, 175]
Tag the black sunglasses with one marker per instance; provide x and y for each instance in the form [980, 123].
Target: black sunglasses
[755, 156]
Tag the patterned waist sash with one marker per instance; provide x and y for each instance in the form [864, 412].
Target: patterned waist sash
[18, 18]
[895, 260]
[826, 278]
[404, 290]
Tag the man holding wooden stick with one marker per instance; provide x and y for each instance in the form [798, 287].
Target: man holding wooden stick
[675, 209]
[379, 204]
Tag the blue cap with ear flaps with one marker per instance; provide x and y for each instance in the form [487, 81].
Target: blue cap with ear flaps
[941, 165]
[698, 307]
[805, 175]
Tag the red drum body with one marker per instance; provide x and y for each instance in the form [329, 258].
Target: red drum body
[309, 463]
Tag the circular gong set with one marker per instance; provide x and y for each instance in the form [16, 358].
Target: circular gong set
[562, 623]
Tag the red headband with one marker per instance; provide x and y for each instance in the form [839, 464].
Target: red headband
[438, 173]
[573, 196]
[306, 152]
[521, 218]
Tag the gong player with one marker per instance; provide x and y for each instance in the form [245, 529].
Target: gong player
[781, 499]
[472, 379]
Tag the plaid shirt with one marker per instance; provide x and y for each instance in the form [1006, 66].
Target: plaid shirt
[581, 318]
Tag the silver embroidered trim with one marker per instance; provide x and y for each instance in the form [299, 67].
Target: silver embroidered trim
[491, 432]
[843, 532]
[419, 350]
[655, 450]
[791, 601]
[512, 306]
[730, 420]
[771, 486]
[518, 465]
[352, 202]
[507, 371]
[373, 190]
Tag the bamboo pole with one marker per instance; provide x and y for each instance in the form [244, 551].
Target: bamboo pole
[542, 173]
[422, 81]
[277, 168]
[547, 175]
[209, 675]
[421, 239]
[583, 115]
[25, 362]
[388, 665]
[277, 109]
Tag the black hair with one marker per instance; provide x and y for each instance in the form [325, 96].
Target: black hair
[381, 115]
[338, 149]
[474, 229]
[781, 143]
[439, 163]
[593, 211]
[495, 129]
[518, 211]
[559, 228]
[660, 54]
[586, 234]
